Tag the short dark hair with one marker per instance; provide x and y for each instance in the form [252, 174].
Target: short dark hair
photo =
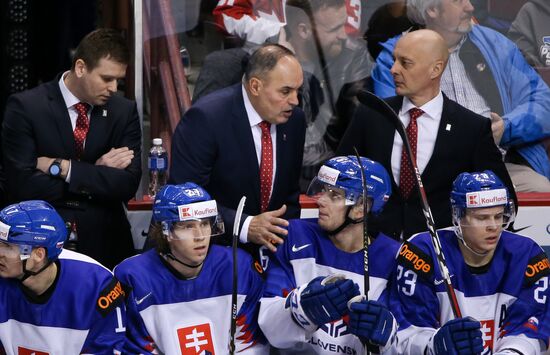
[264, 59]
[296, 9]
[102, 43]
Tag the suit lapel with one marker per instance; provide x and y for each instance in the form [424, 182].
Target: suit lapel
[60, 115]
[245, 142]
[443, 133]
[282, 136]
[97, 132]
[395, 103]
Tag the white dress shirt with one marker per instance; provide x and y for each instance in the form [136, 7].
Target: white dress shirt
[428, 125]
[70, 101]
[254, 119]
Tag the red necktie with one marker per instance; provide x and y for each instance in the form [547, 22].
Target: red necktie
[406, 177]
[81, 128]
[266, 165]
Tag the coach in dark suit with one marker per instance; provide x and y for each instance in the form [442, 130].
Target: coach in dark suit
[451, 139]
[73, 143]
[219, 144]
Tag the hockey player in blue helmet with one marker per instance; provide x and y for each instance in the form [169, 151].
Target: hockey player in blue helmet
[310, 303]
[186, 282]
[500, 280]
[53, 300]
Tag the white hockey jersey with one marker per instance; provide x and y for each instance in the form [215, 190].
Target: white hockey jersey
[509, 296]
[84, 314]
[306, 254]
[169, 314]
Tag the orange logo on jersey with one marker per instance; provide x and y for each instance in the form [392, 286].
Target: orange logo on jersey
[537, 267]
[418, 263]
[487, 331]
[25, 351]
[105, 301]
[196, 339]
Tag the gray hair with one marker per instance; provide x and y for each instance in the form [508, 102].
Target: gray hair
[417, 9]
[264, 59]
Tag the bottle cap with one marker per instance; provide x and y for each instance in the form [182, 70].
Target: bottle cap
[157, 141]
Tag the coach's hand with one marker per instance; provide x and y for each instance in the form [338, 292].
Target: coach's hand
[118, 158]
[266, 228]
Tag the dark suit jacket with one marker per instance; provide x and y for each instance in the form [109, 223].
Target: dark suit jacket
[467, 146]
[213, 147]
[37, 123]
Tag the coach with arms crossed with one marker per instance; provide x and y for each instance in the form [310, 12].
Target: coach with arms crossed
[75, 144]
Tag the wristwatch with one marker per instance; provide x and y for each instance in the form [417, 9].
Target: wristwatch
[55, 168]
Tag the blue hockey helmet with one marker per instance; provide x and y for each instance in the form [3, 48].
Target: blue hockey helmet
[31, 224]
[344, 173]
[480, 190]
[186, 202]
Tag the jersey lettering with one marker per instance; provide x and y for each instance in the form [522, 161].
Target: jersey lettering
[538, 267]
[413, 258]
[111, 297]
[196, 339]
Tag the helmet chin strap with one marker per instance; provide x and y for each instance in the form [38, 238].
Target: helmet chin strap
[172, 257]
[346, 223]
[28, 273]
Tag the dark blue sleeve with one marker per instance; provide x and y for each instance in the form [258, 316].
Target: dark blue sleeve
[530, 313]
[138, 340]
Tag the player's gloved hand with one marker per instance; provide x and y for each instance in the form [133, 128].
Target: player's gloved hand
[322, 300]
[326, 300]
[371, 321]
[458, 336]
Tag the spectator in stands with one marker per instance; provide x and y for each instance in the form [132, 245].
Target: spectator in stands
[256, 21]
[248, 140]
[446, 138]
[387, 21]
[335, 68]
[488, 75]
[531, 32]
[74, 143]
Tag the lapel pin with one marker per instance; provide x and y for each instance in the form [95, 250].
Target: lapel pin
[104, 113]
[448, 127]
[480, 67]
[284, 137]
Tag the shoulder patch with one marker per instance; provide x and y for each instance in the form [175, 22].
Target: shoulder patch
[110, 297]
[415, 259]
[538, 267]
[258, 267]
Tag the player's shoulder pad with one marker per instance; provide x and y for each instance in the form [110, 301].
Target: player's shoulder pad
[413, 258]
[538, 267]
[110, 297]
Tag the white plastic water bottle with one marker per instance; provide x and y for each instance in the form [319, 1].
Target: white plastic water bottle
[158, 165]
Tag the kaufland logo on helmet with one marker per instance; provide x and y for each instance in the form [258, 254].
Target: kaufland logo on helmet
[4, 231]
[328, 175]
[486, 198]
[198, 210]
